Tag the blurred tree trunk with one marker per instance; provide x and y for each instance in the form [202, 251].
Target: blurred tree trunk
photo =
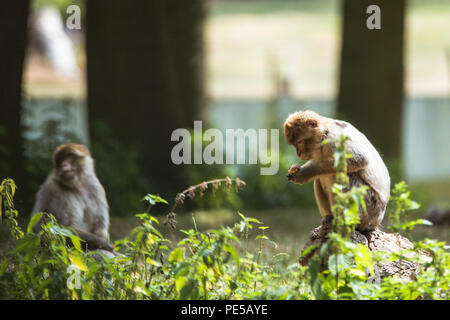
[371, 73]
[146, 77]
[13, 39]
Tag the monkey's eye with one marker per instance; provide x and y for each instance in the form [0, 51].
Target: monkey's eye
[69, 159]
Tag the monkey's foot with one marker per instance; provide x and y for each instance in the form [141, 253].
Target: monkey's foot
[326, 225]
[327, 220]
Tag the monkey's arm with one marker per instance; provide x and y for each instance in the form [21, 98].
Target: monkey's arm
[309, 171]
[100, 221]
[316, 168]
[93, 241]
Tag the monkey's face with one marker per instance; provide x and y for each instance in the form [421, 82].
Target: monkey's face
[68, 170]
[302, 149]
[307, 147]
[72, 162]
[302, 131]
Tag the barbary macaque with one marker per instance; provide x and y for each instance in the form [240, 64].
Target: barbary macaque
[305, 130]
[74, 195]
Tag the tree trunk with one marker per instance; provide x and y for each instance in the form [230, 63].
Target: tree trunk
[13, 39]
[371, 73]
[145, 77]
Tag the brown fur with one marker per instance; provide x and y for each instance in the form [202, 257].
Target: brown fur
[80, 202]
[65, 150]
[305, 131]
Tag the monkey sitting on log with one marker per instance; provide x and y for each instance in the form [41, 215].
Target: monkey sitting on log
[305, 131]
[75, 196]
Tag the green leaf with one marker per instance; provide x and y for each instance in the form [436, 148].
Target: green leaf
[176, 255]
[28, 243]
[34, 220]
[363, 257]
[425, 222]
[189, 290]
[62, 231]
[153, 199]
[231, 250]
[414, 205]
[77, 260]
[338, 263]
[323, 249]
[13, 188]
[76, 243]
[3, 266]
[179, 282]
[309, 249]
[316, 283]
[357, 272]
[153, 262]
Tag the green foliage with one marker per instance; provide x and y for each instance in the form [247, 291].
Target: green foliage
[341, 268]
[7, 191]
[400, 205]
[346, 210]
[217, 263]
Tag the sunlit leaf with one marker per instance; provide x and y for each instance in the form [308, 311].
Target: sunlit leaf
[179, 282]
[77, 260]
[176, 255]
[33, 221]
[153, 262]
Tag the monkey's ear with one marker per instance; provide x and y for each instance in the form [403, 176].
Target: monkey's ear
[313, 123]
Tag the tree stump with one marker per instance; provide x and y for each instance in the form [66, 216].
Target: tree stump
[375, 240]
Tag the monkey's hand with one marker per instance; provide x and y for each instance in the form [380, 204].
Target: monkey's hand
[293, 169]
[298, 174]
[94, 241]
